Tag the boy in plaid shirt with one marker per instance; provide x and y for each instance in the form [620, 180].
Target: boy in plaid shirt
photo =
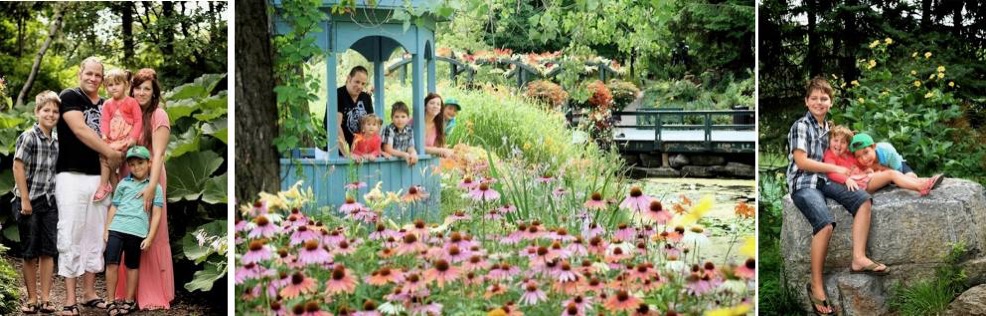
[34, 201]
[398, 138]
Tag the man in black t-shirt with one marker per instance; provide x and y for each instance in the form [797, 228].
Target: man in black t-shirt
[80, 220]
[353, 105]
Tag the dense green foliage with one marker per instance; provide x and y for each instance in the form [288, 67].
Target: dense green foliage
[928, 297]
[775, 297]
[295, 90]
[10, 286]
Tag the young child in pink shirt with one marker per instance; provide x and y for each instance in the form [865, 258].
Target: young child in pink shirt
[121, 125]
[366, 145]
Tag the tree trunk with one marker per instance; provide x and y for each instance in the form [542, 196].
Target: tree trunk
[167, 36]
[926, 15]
[257, 164]
[127, 16]
[957, 19]
[52, 32]
[852, 41]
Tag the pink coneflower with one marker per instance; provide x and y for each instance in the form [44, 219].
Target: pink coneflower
[516, 235]
[622, 301]
[310, 309]
[333, 237]
[344, 248]
[442, 272]
[350, 205]
[593, 230]
[413, 283]
[545, 178]
[710, 270]
[250, 271]
[241, 225]
[579, 302]
[577, 248]
[294, 220]
[264, 228]
[595, 202]
[300, 284]
[748, 270]
[313, 253]
[655, 213]
[369, 309]
[698, 286]
[493, 215]
[636, 200]
[532, 295]
[415, 193]
[625, 232]
[381, 232]
[559, 192]
[676, 234]
[303, 234]
[594, 285]
[597, 246]
[355, 185]
[420, 228]
[454, 253]
[385, 275]
[259, 208]
[475, 263]
[258, 252]
[564, 273]
[533, 231]
[502, 271]
[558, 252]
[484, 193]
[458, 215]
[341, 281]
[507, 209]
[642, 272]
[426, 310]
[468, 184]
[411, 245]
[277, 309]
[463, 241]
[644, 310]
[617, 254]
[561, 234]
[494, 290]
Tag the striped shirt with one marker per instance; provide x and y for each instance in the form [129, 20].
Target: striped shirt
[39, 154]
[401, 139]
[808, 135]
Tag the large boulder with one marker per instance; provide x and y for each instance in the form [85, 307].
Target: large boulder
[972, 302]
[909, 233]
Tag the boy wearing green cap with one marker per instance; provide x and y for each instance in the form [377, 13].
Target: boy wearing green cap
[128, 228]
[452, 109]
[883, 156]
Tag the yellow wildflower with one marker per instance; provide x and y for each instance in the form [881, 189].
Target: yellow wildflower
[834, 76]
[929, 95]
[749, 247]
[927, 55]
[914, 55]
[843, 85]
[932, 76]
[861, 100]
[872, 64]
[888, 41]
[698, 211]
[951, 84]
[941, 75]
[875, 43]
[914, 73]
[855, 82]
[941, 68]
[917, 83]
[497, 312]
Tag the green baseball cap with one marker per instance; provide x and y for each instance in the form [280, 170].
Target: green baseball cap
[860, 141]
[138, 152]
[453, 102]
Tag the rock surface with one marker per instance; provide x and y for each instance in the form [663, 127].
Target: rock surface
[972, 302]
[678, 161]
[910, 234]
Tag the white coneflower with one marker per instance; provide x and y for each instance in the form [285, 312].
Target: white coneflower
[674, 264]
[695, 236]
[733, 286]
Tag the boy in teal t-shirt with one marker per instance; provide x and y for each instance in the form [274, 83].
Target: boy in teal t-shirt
[128, 228]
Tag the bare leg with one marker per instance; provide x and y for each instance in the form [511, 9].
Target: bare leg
[111, 276]
[89, 286]
[30, 270]
[104, 171]
[132, 275]
[860, 233]
[883, 178]
[819, 248]
[47, 271]
[70, 291]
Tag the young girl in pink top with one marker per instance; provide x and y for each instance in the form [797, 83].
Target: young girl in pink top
[366, 145]
[860, 178]
[121, 125]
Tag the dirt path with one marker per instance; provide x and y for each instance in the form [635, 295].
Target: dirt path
[184, 304]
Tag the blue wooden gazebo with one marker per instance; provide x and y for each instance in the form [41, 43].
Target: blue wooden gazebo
[370, 31]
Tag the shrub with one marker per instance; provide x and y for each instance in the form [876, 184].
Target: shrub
[10, 286]
[624, 92]
[599, 95]
[912, 105]
[548, 92]
[929, 297]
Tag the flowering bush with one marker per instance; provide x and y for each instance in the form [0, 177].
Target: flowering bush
[547, 92]
[911, 105]
[624, 92]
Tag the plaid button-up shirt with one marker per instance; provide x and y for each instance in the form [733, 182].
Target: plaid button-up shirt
[812, 137]
[39, 154]
[398, 138]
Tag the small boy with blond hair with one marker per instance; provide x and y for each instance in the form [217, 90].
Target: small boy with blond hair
[883, 158]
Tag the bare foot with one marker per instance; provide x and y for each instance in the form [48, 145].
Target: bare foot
[818, 295]
[861, 263]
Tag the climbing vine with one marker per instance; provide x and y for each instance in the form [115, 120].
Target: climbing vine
[294, 50]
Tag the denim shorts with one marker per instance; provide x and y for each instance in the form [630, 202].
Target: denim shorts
[904, 168]
[812, 204]
[123, 244]
[38, 231]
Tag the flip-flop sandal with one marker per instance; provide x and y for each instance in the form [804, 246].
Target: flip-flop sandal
[871, 269]
[936, 180]
[31, 309]
[815, 301]
[47, 308]
[72, 309]
[94, 303]
[125, 308]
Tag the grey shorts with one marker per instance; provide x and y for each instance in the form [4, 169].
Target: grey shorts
[811, 202]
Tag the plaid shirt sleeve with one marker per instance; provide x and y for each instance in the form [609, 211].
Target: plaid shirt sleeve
[798, 137]
[387, 136]
[25, 148]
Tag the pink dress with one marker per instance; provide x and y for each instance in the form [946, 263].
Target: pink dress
[156, 284]
[125, 124]
[431, 135]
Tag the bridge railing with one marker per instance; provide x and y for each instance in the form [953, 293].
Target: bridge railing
[688, 120]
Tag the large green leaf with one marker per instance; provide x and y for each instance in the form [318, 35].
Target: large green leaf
[199, 253]
[204, 279]
[6, 181]
[215, 190]
[187, 174]
[180, 109]
[217, 129]
[213, 107]
[199, 89]
[185, 143]
[12, 232]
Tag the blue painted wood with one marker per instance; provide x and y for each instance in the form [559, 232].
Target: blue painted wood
[430, 57]
[378, 82]
[328, 177]
[418, 95]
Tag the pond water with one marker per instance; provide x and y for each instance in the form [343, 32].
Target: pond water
[721, 222]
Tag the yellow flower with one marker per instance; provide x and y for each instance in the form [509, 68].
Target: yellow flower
[932, 76]
[875, 43]
[527, 146]
[941, 68]
[834, 76]
[914, 55]
[861, 100]
[855, 82]
[941, 75]
[843, 85]
[927, 55]
[741, 309]
[698, 211]
[917, 83]
[872, 64]
[497, 312]
[951, 84]
[914, 73]
[888, 41]
[749, 247]
[929, 95]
